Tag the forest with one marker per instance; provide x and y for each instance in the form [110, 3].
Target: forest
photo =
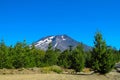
[101, 58]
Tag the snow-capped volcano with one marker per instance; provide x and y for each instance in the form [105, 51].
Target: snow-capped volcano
[61, 42]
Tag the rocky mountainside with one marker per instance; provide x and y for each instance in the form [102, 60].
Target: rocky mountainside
[61, 42]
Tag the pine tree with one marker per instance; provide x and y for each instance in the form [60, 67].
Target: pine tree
[19, 52]
[4, 56]
[64, 59]
[108, 61]
[50, 56]
[119, 55]
[11, 56]
[116, 56]
[30, 57]
[88, 59]
[78, 58]
[101, 56]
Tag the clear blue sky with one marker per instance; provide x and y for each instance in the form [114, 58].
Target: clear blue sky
[34, 19]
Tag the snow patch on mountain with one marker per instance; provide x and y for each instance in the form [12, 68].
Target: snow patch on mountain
[55, 45]
[63, 38]
[45, 41]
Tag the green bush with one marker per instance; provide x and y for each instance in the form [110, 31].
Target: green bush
[53, 68]
[56, 69]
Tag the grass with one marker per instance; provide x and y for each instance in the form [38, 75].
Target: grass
[54, 68]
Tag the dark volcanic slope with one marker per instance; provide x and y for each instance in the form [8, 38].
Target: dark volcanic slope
[61, 42]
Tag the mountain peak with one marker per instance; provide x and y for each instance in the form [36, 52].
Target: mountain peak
[61, 42]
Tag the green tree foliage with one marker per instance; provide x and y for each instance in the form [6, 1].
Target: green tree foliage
[102, 59]
[33, 57]
[64, 59]
[108, 61]
[116, 55]
[51, 56]
[21, 55]
[119, 56]
[88, 59]
[78, 58]
[5, 61]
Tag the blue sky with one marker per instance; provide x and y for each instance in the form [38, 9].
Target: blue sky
[80, 19]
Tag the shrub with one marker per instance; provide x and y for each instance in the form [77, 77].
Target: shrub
[54, 68]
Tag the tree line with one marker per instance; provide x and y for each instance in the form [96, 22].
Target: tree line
[101, 58]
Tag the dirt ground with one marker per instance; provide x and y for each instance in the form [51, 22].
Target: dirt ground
[54, 76]
[38, 74]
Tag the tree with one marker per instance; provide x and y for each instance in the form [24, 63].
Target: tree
[101, 56]
[88, 59]
[116, 55]
[70, 48]
[78, 58]
[108, 61]
[119, 56]
[5, 61]
[64, 59]
[30, 55]
[11, 56]
[39, 57]
[51, 56]
[19, 55]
